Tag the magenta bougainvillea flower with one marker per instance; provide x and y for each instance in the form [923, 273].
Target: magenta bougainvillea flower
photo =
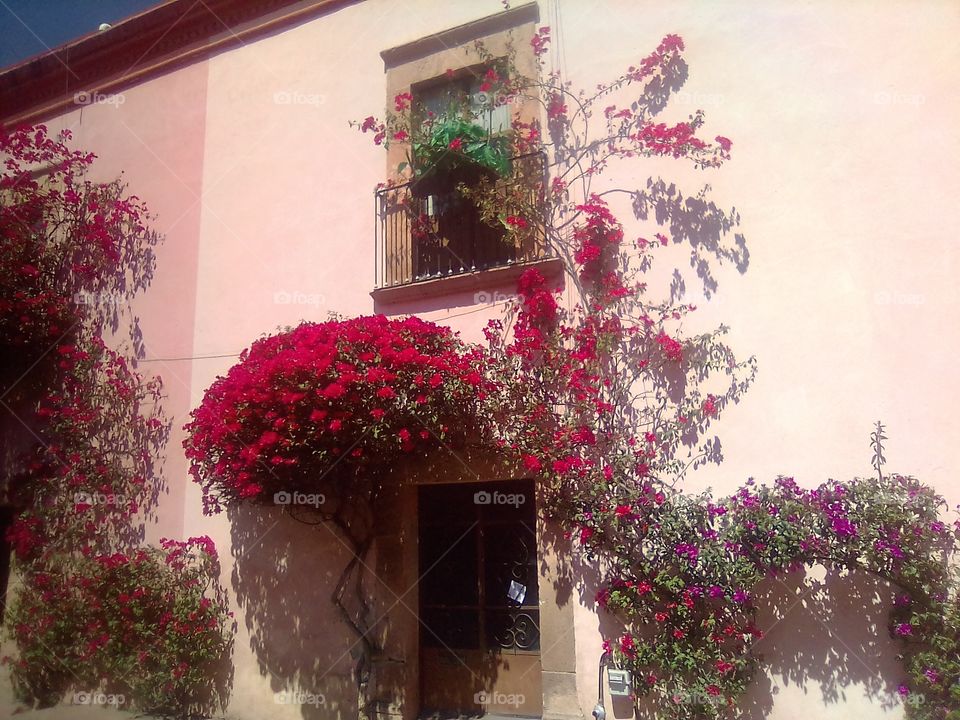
[327, 400]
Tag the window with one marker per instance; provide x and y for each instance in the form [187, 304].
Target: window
[425, 230]
[437, 99]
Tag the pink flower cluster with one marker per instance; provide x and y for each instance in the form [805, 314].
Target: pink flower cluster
[153, 610]
[326, 399]
[540, 41]
[597, 251]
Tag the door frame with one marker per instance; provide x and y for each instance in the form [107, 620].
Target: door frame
[524, 661]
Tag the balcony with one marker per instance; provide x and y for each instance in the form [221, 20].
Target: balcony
[435, 241]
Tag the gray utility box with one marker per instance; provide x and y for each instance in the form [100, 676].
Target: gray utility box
[619, 682]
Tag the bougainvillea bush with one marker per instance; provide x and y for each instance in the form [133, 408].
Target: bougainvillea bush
[72, 250]
[147, 627]
[73, 253]
[81, 432]
[686, 571]
[620, 398]
[333, 404]
[84, 487]
[327, 413]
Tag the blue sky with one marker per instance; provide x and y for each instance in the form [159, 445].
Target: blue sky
[30, 27]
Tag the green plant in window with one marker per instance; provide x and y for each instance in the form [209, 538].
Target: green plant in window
[455, 143]
[457, 132]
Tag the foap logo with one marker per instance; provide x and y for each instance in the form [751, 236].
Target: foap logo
[489, 100]
[486, 697]
[98, 698]
[490, 298]
[699, 99]
[87, 97]
[98, 299]
[483, 497]
[913, 699]
[283, 297]
[299, 697]
[298, 498]
[295, 97]
[698, 697]
[885, 97]
[84, 498]
[894, 297]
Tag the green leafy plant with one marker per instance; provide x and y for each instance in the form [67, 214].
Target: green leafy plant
[149, 628]
[454, 142]
[876, 443]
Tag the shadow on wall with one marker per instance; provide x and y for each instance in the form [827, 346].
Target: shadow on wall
[284, 575]
[609, 627]
[556, 560]
[711, 233]
[827, 632]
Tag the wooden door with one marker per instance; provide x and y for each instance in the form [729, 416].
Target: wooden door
[479, 600]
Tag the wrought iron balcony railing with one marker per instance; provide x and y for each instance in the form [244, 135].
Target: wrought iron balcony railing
[422, 236]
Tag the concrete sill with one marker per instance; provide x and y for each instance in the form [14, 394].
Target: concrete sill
[488, 280]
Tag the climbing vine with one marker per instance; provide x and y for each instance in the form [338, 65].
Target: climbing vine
[619, 400]
[82, 430]
[317, 420]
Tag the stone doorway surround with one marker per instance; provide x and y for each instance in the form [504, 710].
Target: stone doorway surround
[396, 558]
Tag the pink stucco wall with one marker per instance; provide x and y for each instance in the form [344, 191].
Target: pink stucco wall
[153, 136]
[843, 118]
